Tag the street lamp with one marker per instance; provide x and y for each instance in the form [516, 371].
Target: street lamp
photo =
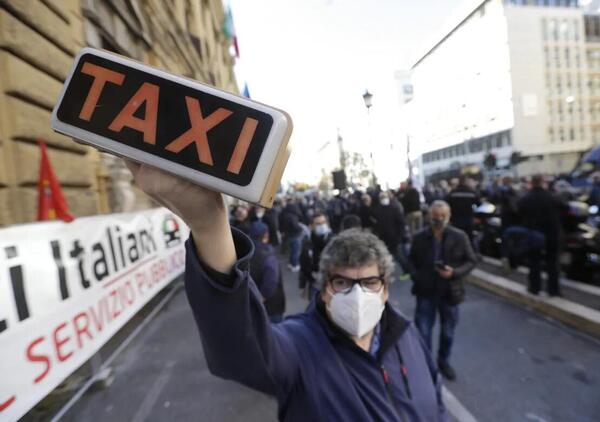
[368, 98]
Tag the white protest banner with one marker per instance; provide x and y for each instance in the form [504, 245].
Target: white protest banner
[66, 289]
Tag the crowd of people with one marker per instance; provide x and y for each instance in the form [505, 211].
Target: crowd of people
[429, 233]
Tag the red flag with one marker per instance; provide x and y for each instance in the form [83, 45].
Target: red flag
[51, 201]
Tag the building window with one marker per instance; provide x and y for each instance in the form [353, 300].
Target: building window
[560, 112]
[561, 134]
[572, 134]
[551, 134]
[564, 30]
[553, 29]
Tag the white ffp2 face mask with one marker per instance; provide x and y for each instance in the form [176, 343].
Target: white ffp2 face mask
[356, 312]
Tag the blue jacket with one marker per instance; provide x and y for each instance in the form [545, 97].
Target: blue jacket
[315, 371]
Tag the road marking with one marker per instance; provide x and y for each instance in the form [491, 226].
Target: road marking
[58, 416]
[455, 408]
[150, 400]
[575, 285]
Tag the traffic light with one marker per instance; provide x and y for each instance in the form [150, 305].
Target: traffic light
[490, 161]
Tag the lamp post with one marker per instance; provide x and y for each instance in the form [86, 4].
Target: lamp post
[368, 99]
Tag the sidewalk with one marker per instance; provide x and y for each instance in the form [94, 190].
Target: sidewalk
[579, 307]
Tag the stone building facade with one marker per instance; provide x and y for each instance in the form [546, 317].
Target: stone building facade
[38, 40]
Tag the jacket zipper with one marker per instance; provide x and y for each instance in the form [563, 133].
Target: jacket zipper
[386, 379]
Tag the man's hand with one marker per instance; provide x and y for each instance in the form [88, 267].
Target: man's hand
[203, 210]
[446, 273]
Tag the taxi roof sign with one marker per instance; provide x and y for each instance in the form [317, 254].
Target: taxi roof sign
[216, 139]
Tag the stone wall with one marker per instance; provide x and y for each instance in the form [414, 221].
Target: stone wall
[38, 39]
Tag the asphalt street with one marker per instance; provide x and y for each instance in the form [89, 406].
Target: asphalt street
[512, 364]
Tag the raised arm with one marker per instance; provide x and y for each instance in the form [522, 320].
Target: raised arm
[238, 340]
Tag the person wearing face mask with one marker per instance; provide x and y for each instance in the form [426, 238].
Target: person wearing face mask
[350, 357]
[312, 246]
[239, 218]
[440, 257]
[391, 228]
[389, 222]
[270, 217]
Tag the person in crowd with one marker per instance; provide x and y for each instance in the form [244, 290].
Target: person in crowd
[323, 365]
[336, 210]
[594, 198]
[389, 222]
[399, 194]
[462, 200]
[367, 219]
[312, 247]
[352, 205]
[350, 221]
[291, 227]
[265, 271]
[440, 257]
[506, 198]
[431, 193]
[270, 217]
[563, 190]
[540, 211]
[390, 227]
[411, 202]
[240, 219]
[316, 204]
[444, 189]
[454, 182]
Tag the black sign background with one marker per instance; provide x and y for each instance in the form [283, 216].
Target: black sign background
[173, 119]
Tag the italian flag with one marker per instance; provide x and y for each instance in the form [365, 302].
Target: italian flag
[229, 31]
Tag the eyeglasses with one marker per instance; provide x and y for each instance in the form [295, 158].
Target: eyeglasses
[341, 284]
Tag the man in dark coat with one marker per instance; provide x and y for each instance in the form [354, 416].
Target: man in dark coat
[411, 202]
[540, 211]
[462, 199]
[507, 198]
[389, 222]
[265, 271]
[327, 364]
[312, 247]
[291, 218]
[440, 257]
[365, 212]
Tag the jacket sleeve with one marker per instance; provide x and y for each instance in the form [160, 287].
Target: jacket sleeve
[270, 277]
[470, 260]
[238, 340]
